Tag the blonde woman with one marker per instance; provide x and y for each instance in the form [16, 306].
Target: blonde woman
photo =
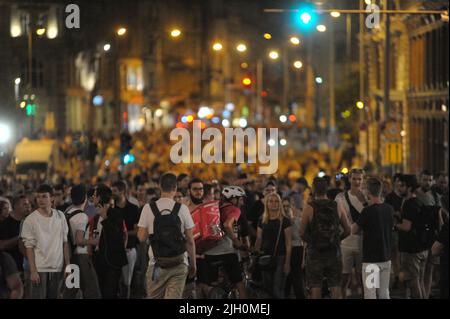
[274, 238]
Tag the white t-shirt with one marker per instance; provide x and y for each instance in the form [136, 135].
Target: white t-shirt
[79, 222]
[352, 241]
[147, 219]
[46, 235]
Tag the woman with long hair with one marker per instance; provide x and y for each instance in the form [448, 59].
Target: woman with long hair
[274, 242]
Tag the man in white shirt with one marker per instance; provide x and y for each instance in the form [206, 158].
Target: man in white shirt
[78, 222]
[351, 203]
[166, 275]
[44, 234]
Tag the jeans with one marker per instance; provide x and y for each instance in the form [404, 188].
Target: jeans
[139, 281]
[274, 281]
[376, 280]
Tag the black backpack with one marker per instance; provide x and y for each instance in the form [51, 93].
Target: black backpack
[72, 244]
[167, 241]
[325, 230]
[425, 228]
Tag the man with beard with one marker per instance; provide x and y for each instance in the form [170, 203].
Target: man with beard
[423, 192]
[194, 199]
[439, 188]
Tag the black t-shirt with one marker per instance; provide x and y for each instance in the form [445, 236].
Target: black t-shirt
[443, 239]
[395, 201]
[9, 229]
[130, 214]
[62, 207]
[407, 242]
[376, 222]
[7, 268]
[270, 234]
[255, 213]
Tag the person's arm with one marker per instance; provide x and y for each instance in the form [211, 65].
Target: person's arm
[34, 275]
[190, 247]
[81, 241]
[437, 248]
[15, 286]
[125, 234]
[344, 223]
[7, 244]
[404, 226]
[258, 240]
[288, 243]
[228, 227]
[66, 254]
[134, 231]
[142, 234]
[356, 230]
[307, 213]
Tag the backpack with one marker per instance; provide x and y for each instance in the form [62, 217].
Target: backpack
[425, 229]
[208, 227]
[70, 240]
[167, 240]
[325, 230]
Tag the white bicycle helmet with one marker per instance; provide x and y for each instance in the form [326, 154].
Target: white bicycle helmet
[233, 191]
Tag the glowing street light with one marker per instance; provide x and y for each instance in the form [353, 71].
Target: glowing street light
[241, 47]
[335, 14]
[274, 55]
[283, 142]
[121, 31]
[321, 28]
[40, 31]
[295, 40]
[175, 33]
[267, 36]
[17, 81]
[298, 64]
[360, 105]
[283, 118]
[319, 80]
[217, 46]
[106, 47]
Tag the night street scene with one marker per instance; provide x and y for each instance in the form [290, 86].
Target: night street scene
[224, 149]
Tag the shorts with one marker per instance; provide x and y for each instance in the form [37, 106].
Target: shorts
[208, 273]
[351, 258]
[320, 267]
[413, 265]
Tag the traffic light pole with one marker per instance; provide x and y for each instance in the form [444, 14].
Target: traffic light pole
[30, 72]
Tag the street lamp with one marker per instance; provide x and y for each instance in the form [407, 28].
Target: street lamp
[106, 47]
[241, 47]
[321, 28]
[319, 80]
[217, 46]
[295, 40]
[274, 55]
[360, 105]
[175, 33]
[267, 36]
[40, 31]
[121, 31]
[335, 14]
[298, 64]
[17, 81]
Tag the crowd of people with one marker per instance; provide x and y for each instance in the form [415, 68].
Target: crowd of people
[353, 236]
